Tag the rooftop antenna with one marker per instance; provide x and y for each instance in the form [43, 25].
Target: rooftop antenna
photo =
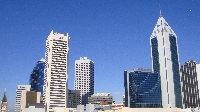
[160, 11]
[5, 89]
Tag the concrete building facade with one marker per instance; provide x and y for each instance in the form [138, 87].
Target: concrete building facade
[190, 72]
[29, 97]
[19, 90]
[101, 99]
[165, 61]
[56, 71]
[84, 78]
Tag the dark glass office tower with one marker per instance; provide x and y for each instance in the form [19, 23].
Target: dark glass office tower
[37, 77]
[142, 89]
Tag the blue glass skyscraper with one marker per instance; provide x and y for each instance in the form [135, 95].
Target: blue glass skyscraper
[37, 77]
[142, 89]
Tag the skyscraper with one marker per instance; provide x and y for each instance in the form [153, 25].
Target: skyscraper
[37, 77]
[84, 78]
[56, 71]
[142, 89]
[165, 59]
[190, 73]
[19, 90]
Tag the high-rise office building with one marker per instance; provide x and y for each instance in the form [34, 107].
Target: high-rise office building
[55, 92]
[190, 73]
[165, 59]
[142, 89]
[19, 90]
[37, 77]
[84, 78]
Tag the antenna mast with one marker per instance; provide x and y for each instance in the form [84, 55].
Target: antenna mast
[160, 11]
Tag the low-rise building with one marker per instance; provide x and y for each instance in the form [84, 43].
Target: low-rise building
[29, 97]
[73, 98]
[33, 109]
[101, 99]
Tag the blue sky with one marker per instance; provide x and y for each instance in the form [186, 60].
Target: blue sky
[115, 34]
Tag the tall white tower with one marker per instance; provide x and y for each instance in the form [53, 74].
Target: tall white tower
[56, 71]
[19, 90]
[84, 78]
[165, 60]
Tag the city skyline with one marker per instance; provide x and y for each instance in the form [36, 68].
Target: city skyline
[118, 33]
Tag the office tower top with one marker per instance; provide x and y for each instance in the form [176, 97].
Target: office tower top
[165, 61]
[84, 78]
[37, 77]
[56, 71]
[190, 74]
[142, 89]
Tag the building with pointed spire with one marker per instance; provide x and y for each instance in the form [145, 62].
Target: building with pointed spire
[4, 104]
[55, 91]
[165, 61]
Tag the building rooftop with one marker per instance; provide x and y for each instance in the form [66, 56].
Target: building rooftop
[4, 97]
[36, 105]
[101, 94]
[142, 69]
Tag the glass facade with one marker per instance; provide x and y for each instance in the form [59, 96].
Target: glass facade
[142, 89]
[155, 54]
[175, 69]
[126, 89]
[37, 77]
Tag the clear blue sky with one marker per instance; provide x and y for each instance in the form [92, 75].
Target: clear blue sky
[114, 34]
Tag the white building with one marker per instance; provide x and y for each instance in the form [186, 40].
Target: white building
[165, 60]
[33, 109]
[56, 71]
[84, 78]
[19, 90]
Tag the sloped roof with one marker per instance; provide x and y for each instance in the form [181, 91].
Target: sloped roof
[4, 97]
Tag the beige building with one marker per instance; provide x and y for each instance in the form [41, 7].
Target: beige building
[29, 97]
